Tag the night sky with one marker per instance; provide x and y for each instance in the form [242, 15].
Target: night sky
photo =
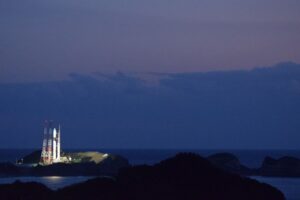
[151, 74]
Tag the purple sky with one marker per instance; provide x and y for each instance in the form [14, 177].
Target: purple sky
[48, 39]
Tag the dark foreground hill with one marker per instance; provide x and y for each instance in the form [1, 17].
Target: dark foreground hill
[185, 176]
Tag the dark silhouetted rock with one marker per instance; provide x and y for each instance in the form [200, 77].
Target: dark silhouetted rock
[231, 163]
[25, 191]
[282, 167]
[185, 176]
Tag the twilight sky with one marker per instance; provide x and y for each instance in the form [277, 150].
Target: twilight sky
[151, 73]
[48, 39]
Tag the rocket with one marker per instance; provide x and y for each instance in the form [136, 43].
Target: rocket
[49, 147]
[58, 143]
[51, 144]
[54, 144]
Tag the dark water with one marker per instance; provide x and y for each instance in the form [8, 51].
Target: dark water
[251, 158]
[289, 186]
[53, 182]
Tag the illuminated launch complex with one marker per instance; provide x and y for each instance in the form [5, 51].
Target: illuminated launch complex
[51, 144]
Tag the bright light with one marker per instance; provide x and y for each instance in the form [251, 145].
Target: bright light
[54, 133]
[52, 177]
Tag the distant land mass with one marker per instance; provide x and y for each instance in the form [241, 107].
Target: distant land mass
[285, 166]
[241, 109]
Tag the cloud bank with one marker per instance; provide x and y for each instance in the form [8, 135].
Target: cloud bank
[259, 108]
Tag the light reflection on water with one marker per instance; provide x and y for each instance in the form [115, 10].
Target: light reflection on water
[53, 182]
[52, 178]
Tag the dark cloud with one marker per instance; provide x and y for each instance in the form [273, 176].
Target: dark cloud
[259, 108]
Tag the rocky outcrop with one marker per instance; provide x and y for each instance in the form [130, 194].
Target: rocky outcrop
[230, 162]
[282, 167]
[189, 176]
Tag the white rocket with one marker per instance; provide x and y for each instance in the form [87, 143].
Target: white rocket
[51, 144]
[56, 145]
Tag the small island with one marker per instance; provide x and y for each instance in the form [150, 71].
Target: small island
[80, 164]
[52, 161]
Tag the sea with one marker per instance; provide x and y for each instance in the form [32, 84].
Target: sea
[251, 158]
